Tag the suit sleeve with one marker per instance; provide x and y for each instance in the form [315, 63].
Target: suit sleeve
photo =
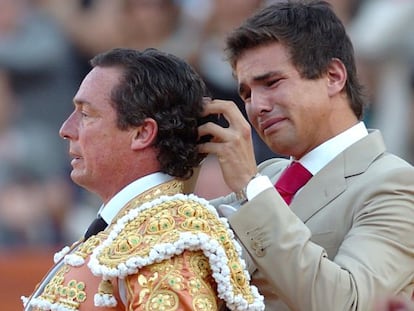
[375, 257]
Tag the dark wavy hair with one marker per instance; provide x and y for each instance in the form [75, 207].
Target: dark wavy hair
[165, 88]
[313, 35]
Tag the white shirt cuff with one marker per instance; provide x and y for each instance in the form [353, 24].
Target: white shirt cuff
[257, 185]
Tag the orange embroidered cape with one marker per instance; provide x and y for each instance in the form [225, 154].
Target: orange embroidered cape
[173, 252]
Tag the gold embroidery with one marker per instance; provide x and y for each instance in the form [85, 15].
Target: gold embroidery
[202, 286]
[72, 295]
[195, 224]
[204, 303]
[87, 247]
[237, 270]
[139, 240]
[160, 223]
[175, 281]
[165, 276]
[163, 300]
[164, 226]
[166, 266]
[195, 286]
[169, 188]
[199, 263]
[146, 285]
[191, 209]
[162, 288]
[164, 223]
[54, 286]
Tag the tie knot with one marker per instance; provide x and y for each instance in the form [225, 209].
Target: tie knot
[294, 177]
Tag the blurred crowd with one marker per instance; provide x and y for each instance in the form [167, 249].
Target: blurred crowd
[45, 46]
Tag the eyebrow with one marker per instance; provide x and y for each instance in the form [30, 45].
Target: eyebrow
[81, 102]
[260, 78]
[267, 75]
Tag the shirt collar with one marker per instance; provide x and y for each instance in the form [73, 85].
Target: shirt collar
[111, 209]
[316, 159]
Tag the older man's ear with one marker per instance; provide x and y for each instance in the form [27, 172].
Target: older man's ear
[144, 135]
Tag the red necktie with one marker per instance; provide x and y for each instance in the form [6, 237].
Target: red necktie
[292, 179]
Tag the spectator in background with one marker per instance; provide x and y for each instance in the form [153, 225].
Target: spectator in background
[346, 10]
[97, 27]
[32, 204]
[384, 45]
[161, 24]
[40, 63]
[139, 24]
[39, 75]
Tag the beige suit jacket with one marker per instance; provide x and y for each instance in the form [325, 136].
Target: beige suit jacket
[346, 239]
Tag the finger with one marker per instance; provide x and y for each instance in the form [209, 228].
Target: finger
[226, 109]
[209, 148]
[224, 141]
[218, 133]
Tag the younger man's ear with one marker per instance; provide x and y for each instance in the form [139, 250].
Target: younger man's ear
[145, 134]
[337, 76]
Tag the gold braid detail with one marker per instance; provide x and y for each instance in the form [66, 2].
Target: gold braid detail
[163, 223]
[169, 188]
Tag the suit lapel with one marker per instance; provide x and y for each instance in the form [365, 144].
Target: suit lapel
[320, 190]
[330, 182]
